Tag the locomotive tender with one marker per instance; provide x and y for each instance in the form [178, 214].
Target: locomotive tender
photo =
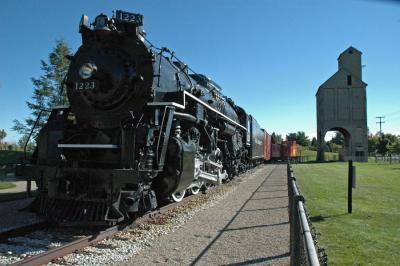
[140, 128]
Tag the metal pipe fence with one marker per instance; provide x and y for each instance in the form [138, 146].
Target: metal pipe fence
[302, 238]
[384, 158]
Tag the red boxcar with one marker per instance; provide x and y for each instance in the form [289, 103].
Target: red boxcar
[267, 146]
[289, 149]
[293, 150]
[275, 151]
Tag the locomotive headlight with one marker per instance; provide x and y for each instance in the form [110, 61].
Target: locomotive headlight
[87, 70]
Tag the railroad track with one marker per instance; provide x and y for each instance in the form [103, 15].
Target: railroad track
[82, 242]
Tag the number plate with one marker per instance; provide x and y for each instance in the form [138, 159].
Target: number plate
[87, 85]
[129, 17]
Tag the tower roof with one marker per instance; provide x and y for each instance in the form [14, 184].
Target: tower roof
[351, 49]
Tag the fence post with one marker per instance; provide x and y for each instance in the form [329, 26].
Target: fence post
[28, 187]
[350, 188]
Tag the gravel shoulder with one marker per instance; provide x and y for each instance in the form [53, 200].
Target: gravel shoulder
[250, 226]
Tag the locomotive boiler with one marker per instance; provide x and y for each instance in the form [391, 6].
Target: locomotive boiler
[140, 128]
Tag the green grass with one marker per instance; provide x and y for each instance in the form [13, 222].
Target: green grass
[310, 155]
[371, 234]
[5, 185]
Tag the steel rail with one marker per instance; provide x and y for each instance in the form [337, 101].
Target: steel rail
[55, 253]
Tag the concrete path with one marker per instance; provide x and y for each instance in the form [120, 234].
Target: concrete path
[248, 227]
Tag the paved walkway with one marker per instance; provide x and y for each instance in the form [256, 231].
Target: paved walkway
[248, 227]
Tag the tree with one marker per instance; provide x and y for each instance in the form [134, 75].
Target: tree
[390, 137]
[338, 139]
[48, 90]
[3, 135]
[333, 147]
[395, 146]
[30, 146]
[291, 137]
[12, 147]
[276, 138]
[314, 142]
[382, 147]
[302, 139]
[373, 141]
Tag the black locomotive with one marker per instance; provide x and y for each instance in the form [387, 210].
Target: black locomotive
[141, 128]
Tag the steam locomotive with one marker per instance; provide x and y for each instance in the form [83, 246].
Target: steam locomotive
[141, 128]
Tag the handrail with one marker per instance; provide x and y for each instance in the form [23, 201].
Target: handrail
[311, 251]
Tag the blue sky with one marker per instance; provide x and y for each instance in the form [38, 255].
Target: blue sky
[269, 56]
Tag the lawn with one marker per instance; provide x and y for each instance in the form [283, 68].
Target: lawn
[371, 234]
[5, 185]
[310, 155]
